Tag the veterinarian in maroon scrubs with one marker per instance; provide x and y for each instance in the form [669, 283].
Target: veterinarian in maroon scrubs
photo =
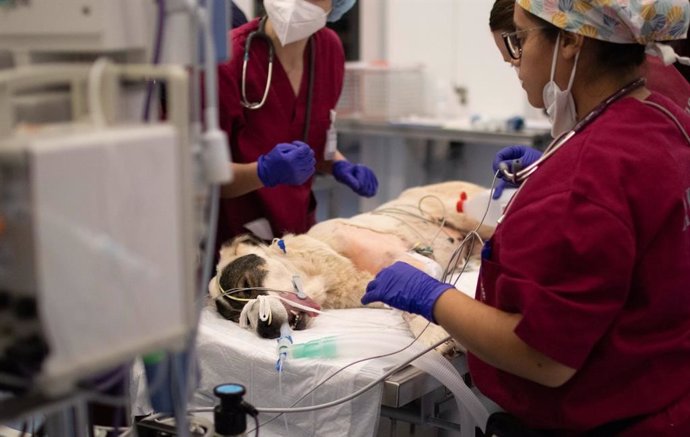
[661, 78]
[581, 322]
[276, 98]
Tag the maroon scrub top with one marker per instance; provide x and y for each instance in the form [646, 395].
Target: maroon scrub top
[595, 254]
[666, 80]
[252, 133]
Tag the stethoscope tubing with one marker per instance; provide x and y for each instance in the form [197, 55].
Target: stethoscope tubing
[524, 174]
[245, 62]
[261, 33]
[557, 143]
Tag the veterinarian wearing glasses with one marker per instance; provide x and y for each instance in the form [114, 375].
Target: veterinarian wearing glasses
[276, 97]
[581, 321]
[662, 78]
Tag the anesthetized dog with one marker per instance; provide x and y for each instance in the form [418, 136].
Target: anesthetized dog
[331, 265]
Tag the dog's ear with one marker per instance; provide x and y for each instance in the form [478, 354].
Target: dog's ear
[230, 247]
[226, 310]
[249, 239]
[223, 304]
[253, 240]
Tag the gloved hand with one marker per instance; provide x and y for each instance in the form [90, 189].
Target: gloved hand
[356, 176]
[522, 154]
[406, 288]
[287, 164]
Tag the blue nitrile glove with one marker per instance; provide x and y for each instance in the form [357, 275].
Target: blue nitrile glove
[523, 154]
[287, 164]
[406, 288]
[359, 177]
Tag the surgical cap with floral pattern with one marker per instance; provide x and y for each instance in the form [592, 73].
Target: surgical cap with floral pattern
[617, 21]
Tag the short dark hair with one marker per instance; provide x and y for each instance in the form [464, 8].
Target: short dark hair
[610, 56]
[619, 56]
[501, 17]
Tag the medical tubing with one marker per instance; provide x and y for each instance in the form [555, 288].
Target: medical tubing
[346, 398]
[308, 309]
[343, 346]
[670, 115]
[157, 49]
[363, 389]
[310, 92]
[183, 387]
[115, 377]
[210, 82]
[353, 395]
[361, 360]
[557, 143]
[216, 151]
[214, 195]
[230, 292]
[444, 215]
[326, 347]
[179, 395]
[432, 363]
[441, 369]
[472, 234]
[209, 245]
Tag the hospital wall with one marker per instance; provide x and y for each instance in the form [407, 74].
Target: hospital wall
[247, 7]
[452, 39]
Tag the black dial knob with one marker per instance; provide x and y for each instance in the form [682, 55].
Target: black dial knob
[230, 392]
[230, 416]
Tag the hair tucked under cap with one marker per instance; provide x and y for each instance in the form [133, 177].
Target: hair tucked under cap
[617, 21]
[339, 9]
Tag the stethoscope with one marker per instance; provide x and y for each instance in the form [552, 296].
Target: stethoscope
[519, 175]
[261, 33]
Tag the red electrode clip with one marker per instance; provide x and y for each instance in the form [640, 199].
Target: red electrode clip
[459, 207]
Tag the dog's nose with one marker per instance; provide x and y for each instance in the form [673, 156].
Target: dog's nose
[268, 331]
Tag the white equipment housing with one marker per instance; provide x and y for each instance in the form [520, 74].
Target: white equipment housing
[105, 244]
[77, 25]
[98, 231]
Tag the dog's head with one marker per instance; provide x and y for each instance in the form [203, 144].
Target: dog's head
[258, 269]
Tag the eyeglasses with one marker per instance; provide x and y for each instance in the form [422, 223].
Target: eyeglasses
[513, 41]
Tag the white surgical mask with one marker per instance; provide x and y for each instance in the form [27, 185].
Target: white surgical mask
[294, 20]
[559, 104]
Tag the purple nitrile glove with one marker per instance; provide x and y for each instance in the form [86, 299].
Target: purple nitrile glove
[287, 164]
[360, 178]
[406, 288]
[521, 155]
